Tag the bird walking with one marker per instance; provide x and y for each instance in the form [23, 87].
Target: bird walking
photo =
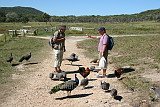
[84, 72]
[105, 86]
[118, 72]
[113, 93]
[157, 92]
[61, 75]
[27, 57]
[84, 82]
[94, 60]
[10, 59]
[66, 86]
[73, 58]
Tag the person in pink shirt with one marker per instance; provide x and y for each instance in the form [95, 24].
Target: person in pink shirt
[102, 47]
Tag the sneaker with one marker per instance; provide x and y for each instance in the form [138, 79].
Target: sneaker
[101, 76]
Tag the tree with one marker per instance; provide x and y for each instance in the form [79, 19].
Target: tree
[46, 17]
[11, 17]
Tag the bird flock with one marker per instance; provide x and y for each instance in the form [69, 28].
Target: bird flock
[84, 72]
[25, 57]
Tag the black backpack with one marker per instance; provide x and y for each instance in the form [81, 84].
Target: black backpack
[111, 43]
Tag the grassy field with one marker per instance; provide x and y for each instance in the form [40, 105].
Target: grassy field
[19, 47]
[140, 53]
[147, 27]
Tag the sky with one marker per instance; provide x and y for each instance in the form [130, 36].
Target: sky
[85, 7]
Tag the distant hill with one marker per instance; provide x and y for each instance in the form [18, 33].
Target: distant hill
[29, 14]
[151, 12]
[21, 10]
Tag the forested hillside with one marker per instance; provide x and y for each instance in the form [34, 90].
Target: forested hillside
[28, 14]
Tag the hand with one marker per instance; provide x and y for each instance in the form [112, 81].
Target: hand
[62, 38]
[64, 50]
[89, 36]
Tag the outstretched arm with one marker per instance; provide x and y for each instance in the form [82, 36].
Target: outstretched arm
[89, 36]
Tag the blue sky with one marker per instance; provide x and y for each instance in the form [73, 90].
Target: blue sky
[85, 7]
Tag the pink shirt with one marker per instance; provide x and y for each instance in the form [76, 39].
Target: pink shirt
[104, 40]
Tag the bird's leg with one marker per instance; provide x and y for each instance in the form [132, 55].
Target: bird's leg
[67, 93]
[70, 93]
[83, 88]
[71, 62]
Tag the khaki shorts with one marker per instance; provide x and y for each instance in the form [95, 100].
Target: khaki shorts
[58, 57]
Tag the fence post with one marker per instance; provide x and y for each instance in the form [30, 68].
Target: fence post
[5, 38]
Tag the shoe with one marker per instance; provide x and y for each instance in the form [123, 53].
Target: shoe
[101, 76]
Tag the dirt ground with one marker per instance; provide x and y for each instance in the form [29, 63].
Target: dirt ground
[34, 91]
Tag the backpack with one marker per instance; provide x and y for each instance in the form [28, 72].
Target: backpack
[111, 43]
[51, 42]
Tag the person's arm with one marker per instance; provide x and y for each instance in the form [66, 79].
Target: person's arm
[64, 49]
[94, 37]
[57, 40]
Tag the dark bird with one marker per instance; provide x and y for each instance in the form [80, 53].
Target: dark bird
[73, 55]
[51, 75]
[105, 86]
[94, 61]
[84, 82]
[157, 92]
[72, 58]
[27, 57]
[118, 72]
[66, 86]
[84, 72]
[61, 75]
[113, 93]
[21, 59]
[10, 59]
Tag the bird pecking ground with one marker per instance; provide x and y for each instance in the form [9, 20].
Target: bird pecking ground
[33, 89]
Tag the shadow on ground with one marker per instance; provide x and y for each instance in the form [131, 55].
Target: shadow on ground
[74, 96]
[32, 63]
[119, 98]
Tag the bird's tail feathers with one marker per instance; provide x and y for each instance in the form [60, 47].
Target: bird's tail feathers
[56, 88]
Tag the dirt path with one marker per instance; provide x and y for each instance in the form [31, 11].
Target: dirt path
[37, 84]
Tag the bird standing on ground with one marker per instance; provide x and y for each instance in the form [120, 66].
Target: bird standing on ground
[73, 55]
[84, 82]
[105, 86]
[10, 59]
[61, 75]
[94, 60]
[85, 72]
[66, 86]
[27, 57]
[73, 58]
[157, 92]
[113, 93]
[118, 73]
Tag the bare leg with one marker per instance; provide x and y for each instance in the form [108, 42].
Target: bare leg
[104, 72]
[55, 69]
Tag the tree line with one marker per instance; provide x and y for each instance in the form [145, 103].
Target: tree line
[14, 17]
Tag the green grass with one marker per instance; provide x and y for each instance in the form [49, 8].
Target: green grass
[147, 27]
[19, 47]
[141, 53]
